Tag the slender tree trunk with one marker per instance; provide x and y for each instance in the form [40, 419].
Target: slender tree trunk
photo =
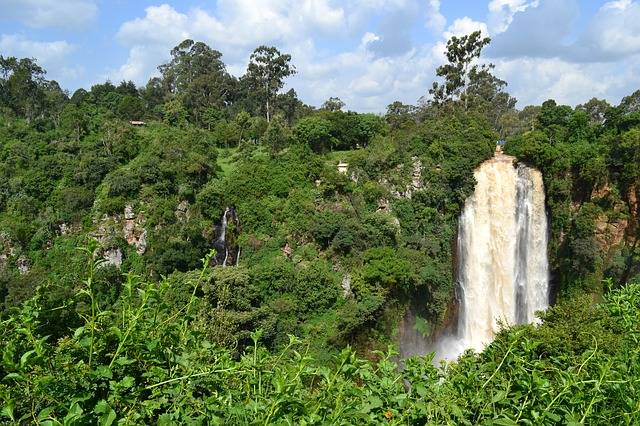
[464, 92]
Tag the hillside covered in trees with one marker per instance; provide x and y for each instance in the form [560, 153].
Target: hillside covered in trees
[209, 249]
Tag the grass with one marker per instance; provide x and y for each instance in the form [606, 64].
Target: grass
[226, 160]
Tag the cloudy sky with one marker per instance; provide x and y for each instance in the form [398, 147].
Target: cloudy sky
[367, 52]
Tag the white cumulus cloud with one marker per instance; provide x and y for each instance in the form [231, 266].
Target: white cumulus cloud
[366, 52]
[501, 12]
[435, 20]
[463, 26]
[66, 14]
[376, 66]
[50, 55]
[45, 52]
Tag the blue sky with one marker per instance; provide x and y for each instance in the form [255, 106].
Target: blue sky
[367, 52]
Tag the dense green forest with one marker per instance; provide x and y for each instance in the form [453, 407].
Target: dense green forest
[210, 249]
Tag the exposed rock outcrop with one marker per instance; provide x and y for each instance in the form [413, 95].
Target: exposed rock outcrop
[287, 251]
[110, 229]
[618, 226]
[112, 257]
[69, 228]
[134, 231]
[7, 250]
[414, 185]
[182, 211]
[346, 286]
[24, 265]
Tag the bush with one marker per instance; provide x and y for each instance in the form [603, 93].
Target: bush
[147, 361]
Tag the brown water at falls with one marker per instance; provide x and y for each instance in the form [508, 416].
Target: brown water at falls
[502, 267]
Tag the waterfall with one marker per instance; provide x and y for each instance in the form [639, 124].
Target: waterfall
[226, 241]
[502, 255]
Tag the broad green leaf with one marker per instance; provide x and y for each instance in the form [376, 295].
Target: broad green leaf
[421, 390]
[127, 382]
[7, 410]
[505, 422]
[104, 371]
[498, 396]
[25, 357]
[108, 415]
[74, 413]
[45, 413]
[14, 376]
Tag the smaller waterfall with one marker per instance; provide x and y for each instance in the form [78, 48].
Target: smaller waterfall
[226, 242]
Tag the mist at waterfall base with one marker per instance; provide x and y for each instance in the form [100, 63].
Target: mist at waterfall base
[502, 266]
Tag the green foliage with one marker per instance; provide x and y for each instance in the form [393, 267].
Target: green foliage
[265, 75]
[384, 267]
[144, 360]
[315, 131]
[335, 258]
[587, 158]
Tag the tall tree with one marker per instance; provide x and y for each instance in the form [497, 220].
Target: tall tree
[189, 60]
[333, 104]
[197, 75]
[399, 114]
[54, 101]
[291, 107]
[266, 72]
[485, 93]
[596, 109]
[153, 96]
[22, 85]
[276, 135]
[243, 121]
[470, 85]
[461, 53]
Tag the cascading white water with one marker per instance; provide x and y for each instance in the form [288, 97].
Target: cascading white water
[502, 255]
[223, 236]
[228, 251]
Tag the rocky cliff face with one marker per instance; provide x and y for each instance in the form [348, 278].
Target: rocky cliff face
[129, 226]
[617, 227]
[616, 232]
[134, 231]
[10, 257]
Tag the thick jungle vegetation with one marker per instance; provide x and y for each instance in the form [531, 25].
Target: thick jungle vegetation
[210, 249]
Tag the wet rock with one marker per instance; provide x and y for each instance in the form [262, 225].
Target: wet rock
[7, 250]
[141, 243]
[129, 225]
[129, 214]
[226, 242]
[133, 230]
[416, 176]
